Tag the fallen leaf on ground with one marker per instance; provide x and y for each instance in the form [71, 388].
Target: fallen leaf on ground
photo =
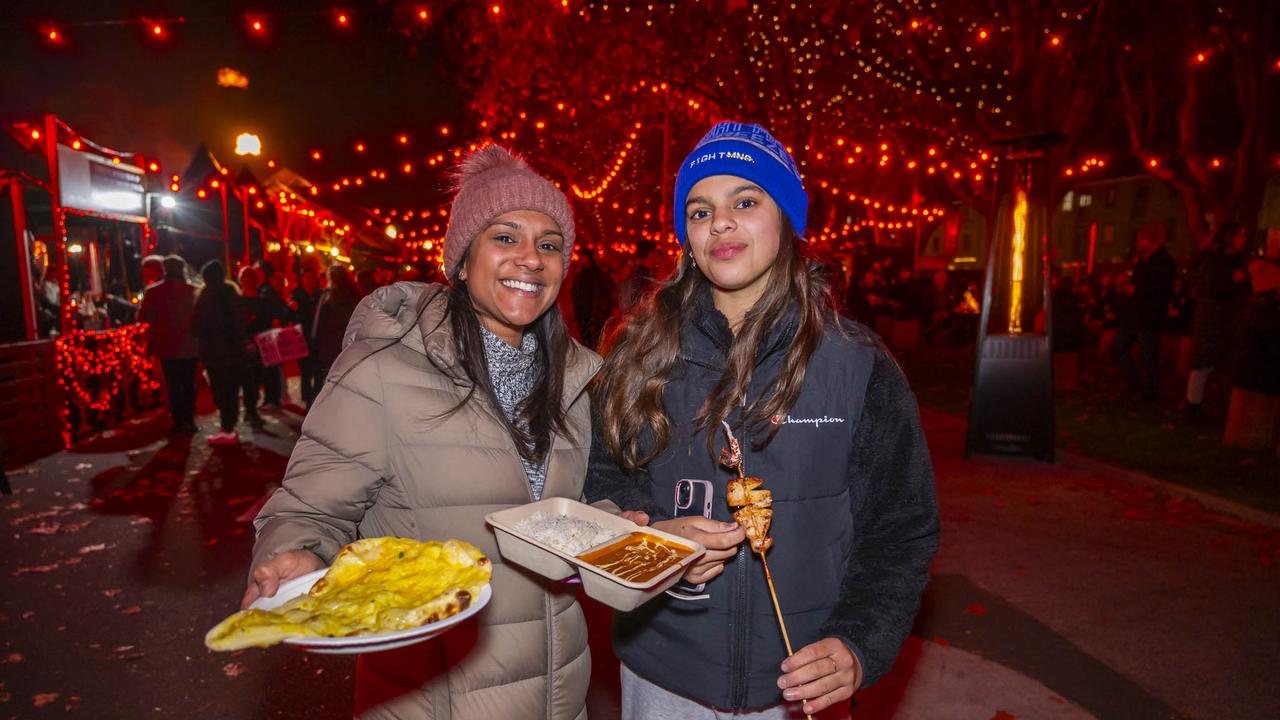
[13, 658]
[44, 699]
[34, 569]
[45, 529]
[92, 548]
[131, 610]
[233, 669]
[111, 592]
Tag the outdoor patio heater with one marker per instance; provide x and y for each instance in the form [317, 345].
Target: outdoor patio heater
[1011, 409]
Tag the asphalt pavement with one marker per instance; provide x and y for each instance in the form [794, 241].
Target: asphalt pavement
[1071, 590]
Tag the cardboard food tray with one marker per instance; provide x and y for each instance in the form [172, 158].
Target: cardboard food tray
[555, 564]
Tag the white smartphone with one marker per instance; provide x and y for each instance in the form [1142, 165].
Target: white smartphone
[692, 497]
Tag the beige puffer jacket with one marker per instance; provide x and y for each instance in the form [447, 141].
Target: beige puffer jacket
[376, 459]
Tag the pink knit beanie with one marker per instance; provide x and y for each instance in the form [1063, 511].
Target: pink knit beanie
[492, 181]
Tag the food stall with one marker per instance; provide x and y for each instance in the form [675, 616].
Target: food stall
[78, 238]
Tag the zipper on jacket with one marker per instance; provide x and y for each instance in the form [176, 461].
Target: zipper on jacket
[738, 646]
[742, 584]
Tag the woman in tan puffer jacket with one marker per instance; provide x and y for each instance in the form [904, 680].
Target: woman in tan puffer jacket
[447, 403]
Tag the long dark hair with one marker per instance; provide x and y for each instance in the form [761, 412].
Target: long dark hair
[542, 411]
[645, 350]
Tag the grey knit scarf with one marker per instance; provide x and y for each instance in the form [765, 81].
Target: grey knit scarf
[514, 372]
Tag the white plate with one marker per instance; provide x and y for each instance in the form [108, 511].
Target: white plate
[362, 643]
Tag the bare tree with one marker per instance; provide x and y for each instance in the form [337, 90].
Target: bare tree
[1198, 97]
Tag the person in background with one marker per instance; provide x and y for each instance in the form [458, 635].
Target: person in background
[257, 319]
[271, 300]
[938, 302]
[1181, 308]
[593, 300]
[1255, 363]
[1212, 324]
[121, 310]
[639, 282]
[306, 298]
[218, 324]
[332, 315]
[366, 281]
[1068, 315]
[167, 309]
[152, 270]
[1143, 311]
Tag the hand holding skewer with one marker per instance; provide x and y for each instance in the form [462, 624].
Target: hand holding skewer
[821, 674]
[755, 514]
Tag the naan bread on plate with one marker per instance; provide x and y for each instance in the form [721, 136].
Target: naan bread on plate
[375, 585]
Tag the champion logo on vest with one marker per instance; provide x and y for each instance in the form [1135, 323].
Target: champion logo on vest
[814, 421]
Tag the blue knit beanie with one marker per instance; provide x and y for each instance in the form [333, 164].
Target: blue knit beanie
[746, 151]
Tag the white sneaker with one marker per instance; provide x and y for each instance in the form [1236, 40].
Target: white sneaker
[225, 438]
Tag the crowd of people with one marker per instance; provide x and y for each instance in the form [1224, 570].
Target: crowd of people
[1223, 301]
[211, 320]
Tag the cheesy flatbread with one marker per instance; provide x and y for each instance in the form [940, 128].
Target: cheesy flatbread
[375, 585]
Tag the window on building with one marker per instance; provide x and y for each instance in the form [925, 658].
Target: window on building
[1086, 199]
[1141, 196]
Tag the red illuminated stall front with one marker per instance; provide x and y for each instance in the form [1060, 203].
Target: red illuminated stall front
[80, 241]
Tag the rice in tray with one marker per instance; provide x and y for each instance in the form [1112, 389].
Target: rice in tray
[571, 535]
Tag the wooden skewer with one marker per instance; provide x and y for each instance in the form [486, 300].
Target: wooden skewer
[768, 576]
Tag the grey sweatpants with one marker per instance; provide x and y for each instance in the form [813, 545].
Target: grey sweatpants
[642, 700]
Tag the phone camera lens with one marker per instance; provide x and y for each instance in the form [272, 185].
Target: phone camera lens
[684, 495]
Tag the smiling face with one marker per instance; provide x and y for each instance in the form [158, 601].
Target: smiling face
[735, 230]
[513, 270]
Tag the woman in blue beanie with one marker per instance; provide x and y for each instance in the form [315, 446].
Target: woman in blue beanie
[744, 333]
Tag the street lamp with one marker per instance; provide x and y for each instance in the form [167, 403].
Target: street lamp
[248, 144]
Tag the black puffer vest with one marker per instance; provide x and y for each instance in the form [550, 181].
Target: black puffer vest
[725, 650]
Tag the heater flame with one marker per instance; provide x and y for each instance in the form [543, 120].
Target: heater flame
[1018, 260]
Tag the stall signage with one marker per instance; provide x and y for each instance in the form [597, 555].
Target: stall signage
[91, 182]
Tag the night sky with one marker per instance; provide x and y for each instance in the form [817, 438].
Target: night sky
[311, 85]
